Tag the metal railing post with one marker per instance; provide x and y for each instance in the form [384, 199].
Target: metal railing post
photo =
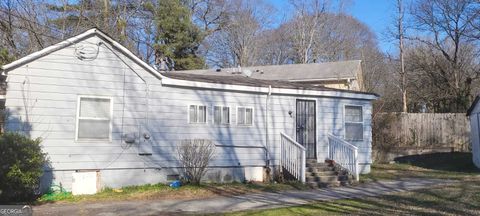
[304, 165]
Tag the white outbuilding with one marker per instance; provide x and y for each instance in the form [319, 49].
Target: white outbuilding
[474, 114]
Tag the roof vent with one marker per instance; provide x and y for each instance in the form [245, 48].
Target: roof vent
[247, 72]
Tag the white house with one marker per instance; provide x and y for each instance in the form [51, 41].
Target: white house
[106, 115]
[474, 114]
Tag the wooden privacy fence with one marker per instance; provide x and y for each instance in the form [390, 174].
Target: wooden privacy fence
[399, 134]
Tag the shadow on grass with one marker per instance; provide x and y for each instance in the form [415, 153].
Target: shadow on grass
[234, 189]
[455, 166]
[456, 199]
[454, 161]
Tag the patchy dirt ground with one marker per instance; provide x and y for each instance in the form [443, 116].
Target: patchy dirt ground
[245, 202]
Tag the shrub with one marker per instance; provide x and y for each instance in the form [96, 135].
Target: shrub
[21, 167]
[194, 156]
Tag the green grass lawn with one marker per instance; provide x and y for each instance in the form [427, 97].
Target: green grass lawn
[162, 191]
[462, 198]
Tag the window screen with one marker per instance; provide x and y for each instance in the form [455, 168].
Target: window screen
[197, 114]
[244, 116]
[221, 115]
[94, 118]
[353, 123]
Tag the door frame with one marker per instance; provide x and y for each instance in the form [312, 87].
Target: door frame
[316, 128]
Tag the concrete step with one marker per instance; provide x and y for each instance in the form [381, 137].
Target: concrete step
[319, 169]
[321, 173]
[330, 184]
[325, 184]
[342, 178]
[322, 178]
[317, 165]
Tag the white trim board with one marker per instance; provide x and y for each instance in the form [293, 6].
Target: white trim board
[264, 90]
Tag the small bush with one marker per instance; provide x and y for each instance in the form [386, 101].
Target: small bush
[21, 166]
[194, 156]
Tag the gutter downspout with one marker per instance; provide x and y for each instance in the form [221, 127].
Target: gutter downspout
[267, 155]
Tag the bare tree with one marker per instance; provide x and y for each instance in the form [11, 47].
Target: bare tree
[400, 34]
[194, 156]
[236, 43]
[210, 15]
[274, 47]
[448, 26]
[304, 27]
[6, 25]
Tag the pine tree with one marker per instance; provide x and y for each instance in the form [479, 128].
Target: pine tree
[177, 37]
[5, 58]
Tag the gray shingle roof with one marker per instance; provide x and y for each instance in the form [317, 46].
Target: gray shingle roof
[291, 72]
[247, 81]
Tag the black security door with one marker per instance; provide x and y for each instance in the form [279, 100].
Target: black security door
[306, 126]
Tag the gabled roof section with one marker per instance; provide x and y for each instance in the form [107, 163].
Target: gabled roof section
[341, 70]
[74, 40]
[472, 107]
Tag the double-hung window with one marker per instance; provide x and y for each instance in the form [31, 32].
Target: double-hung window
[94, 118]
[245, 116]
[353, 123]
[221, 115]
[197, 114]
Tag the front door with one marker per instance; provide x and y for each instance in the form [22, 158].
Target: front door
[306, 126]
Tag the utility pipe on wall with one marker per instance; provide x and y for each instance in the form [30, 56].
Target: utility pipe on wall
[267, 155]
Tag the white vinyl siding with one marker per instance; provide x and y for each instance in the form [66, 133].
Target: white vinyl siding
[55, 81]
[94, 118]
[197, 114]
[221, 115]
[353, 123]
[245, 116]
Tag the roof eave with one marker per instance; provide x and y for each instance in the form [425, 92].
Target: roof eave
[474, 103]
[46, 51]
[258, 89]
[73, 40]
[322, 79]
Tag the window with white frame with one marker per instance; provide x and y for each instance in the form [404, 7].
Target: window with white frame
[221, 115]
[94, 118]
[197, 114]
[245, 116]
[353, 123]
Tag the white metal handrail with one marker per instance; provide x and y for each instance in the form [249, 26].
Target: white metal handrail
[293, 157]
[344, 154]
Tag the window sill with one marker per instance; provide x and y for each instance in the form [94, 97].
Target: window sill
[222, 125]
[244, 125]
[197, 123]
[92, 140]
